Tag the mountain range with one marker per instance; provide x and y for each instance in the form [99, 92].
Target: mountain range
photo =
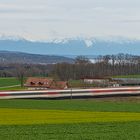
[73, 46]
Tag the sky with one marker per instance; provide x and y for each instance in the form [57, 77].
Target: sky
[56, 19]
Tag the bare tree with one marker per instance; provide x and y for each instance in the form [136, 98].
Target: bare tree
[21, 73]
[82, 60]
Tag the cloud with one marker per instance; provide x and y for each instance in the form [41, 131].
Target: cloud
[131, 21]
[11, 8]
[43, 19]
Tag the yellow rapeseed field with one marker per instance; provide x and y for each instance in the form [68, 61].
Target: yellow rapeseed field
[32, 116]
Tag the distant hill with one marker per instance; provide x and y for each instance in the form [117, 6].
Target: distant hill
[18, 57]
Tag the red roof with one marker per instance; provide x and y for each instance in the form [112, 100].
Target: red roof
[45, 83]
[60, 85]
[38, 82]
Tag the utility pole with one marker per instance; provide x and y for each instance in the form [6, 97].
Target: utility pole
[71, 94]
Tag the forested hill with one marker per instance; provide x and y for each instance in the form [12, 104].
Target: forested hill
[18, 57]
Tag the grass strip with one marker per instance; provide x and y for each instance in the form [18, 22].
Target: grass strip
[74, 105]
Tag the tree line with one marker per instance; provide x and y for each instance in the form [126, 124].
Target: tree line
[108, 65]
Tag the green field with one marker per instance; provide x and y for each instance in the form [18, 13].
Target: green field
[10, 83]
[79, 83]
[69, 120]
[126, 76]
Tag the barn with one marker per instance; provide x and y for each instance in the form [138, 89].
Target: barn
[45, 83]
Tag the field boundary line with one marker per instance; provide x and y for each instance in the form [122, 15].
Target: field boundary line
[10, 86]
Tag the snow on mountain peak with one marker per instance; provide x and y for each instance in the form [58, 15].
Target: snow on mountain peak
[89, 43]
[9, 37]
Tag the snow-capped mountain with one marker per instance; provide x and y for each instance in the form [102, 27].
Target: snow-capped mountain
[76, 46]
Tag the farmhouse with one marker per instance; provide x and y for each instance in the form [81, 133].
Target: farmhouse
[95, 80]
[127, 81]
[101, 82]
[45, 83]
[112, 82]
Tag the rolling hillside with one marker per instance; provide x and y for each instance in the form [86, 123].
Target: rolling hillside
[18, 57]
